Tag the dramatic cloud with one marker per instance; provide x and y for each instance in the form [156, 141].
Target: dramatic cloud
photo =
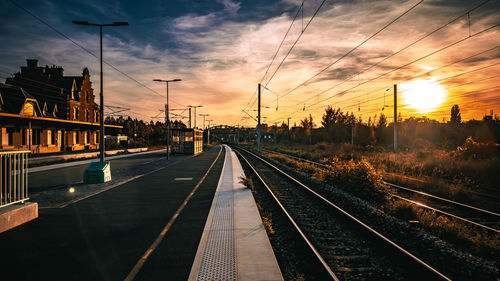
[222, 49]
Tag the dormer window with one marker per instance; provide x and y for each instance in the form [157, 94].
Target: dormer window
[28, 109]
[74, 91]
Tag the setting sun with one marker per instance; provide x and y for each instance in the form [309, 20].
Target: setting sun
[423, 95]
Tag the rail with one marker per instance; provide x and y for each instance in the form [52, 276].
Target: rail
[433, 273]
[13, 177]
[459, 204]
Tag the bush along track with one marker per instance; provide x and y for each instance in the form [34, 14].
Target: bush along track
[356, 187]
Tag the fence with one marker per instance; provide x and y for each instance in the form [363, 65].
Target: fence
[13, 177]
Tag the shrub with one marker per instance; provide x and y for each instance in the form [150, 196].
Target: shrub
[357, 177]
[474, 149]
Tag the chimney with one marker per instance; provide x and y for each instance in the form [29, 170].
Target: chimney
[55, 72]
[32, 63]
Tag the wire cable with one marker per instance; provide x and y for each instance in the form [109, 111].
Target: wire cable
[400, 67]
[85, 49]
[297, 40]
[355, 48]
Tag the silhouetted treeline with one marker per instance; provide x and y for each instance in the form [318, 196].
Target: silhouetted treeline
[143, 133]
[414, 132]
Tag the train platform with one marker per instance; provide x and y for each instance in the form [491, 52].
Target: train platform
[234, 244]
[145, 227]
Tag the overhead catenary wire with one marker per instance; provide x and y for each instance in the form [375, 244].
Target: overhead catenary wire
[439, 80]
[301, 7]
[341, 93]
[424, 73]
[355, 48]
[294, 43]
[85, 49]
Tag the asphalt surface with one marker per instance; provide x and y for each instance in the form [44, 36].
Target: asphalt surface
[104, 236]
[74, 174]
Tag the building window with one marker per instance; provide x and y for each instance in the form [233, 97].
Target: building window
[54, 137]
[35, 138]
[75, 113]
[96, 137]
[23, 136]
[76, 137]
[10, 140]
[87, 115]
[28, 109]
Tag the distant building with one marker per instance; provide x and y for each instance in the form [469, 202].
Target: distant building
[42, 110]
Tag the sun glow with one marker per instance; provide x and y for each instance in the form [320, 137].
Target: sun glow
[423, 95]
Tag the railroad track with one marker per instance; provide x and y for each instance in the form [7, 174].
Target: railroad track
[478, 217]
[345, 247]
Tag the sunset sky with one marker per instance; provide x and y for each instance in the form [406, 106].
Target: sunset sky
[221, 50]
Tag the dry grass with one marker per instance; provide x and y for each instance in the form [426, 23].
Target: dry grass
[359, 178]
[471, 168]
[450, 229]
[267, 220]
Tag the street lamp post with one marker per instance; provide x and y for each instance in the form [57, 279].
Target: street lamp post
[195, 106]
[208, 132]
[167, 117]
[101, 110]
[204, 115]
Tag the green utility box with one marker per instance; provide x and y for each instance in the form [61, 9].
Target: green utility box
[97, 172]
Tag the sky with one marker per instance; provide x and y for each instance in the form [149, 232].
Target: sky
[336, 53]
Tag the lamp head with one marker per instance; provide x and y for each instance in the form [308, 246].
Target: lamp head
[81, 22]
[120, 23]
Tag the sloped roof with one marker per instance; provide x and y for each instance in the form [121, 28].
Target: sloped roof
[14, 98]
[67, 82]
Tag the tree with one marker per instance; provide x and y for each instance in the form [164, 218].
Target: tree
[382, 121]
[456, 117]
[308, 124]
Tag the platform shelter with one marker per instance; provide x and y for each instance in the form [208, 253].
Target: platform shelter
[187, 141]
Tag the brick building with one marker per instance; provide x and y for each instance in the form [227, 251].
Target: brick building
[42, 110]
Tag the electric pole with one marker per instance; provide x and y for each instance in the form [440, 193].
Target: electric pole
[204, 115]
[288, 125]
[395, 117]
[195, 106]
[258, 122]
[208, 132]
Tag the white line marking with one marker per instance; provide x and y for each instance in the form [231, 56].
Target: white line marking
[183, 179]
[158, 240]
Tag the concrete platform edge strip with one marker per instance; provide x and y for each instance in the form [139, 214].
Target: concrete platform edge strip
[195, 269]
[254, 256]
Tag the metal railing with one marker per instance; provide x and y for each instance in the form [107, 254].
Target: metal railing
[13, 177]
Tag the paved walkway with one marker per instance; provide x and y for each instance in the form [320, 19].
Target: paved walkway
[234, 245]
[104, 236]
